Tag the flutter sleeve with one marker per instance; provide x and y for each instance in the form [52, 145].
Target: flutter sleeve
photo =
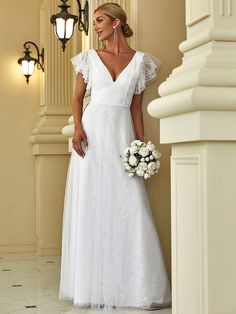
[80, 63]
[148, 72]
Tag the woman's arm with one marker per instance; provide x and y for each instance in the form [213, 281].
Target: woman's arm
[137, 116]
[77, 108]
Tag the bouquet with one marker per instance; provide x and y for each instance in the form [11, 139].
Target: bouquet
[141, 159]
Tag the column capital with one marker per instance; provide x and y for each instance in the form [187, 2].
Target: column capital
[199, 95]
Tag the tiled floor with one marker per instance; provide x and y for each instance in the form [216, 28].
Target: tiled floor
[29, 285]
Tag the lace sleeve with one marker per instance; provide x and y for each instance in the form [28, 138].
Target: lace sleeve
[81, 65]
[149, 66]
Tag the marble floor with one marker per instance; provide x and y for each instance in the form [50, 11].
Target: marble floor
[29, 285]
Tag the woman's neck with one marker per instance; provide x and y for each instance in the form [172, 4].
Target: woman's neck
[121, 45]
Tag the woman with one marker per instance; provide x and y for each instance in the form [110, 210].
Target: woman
[111, 255]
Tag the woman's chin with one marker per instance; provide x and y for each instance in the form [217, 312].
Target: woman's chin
[101, 38]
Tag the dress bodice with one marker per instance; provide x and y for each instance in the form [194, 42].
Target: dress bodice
[132, 80]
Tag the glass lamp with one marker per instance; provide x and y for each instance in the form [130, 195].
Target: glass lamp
[28, 63]
[64, 22]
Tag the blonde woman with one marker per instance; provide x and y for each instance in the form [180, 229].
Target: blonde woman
[111, 254]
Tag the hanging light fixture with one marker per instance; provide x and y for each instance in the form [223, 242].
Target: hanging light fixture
[28, 63]
[64, 22]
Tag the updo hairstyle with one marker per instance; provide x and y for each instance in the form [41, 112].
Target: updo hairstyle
[115, 11]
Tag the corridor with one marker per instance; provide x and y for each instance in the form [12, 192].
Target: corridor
[29, 285]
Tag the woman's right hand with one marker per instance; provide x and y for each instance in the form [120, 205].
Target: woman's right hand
[79, 137]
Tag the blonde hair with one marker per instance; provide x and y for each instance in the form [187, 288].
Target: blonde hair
[115, 11]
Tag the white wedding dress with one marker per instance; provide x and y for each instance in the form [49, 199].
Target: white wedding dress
[111, 255]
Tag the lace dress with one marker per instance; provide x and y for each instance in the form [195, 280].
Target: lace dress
[111, 254]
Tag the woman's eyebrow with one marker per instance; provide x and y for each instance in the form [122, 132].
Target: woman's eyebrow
[97, 18]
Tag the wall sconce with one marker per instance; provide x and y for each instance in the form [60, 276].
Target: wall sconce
[64, 22]
[28, 63]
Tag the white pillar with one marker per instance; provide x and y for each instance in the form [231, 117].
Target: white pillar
[49, 145]
[197, 112]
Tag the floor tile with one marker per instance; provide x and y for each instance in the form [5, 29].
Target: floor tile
[39, 280]
[25, 311]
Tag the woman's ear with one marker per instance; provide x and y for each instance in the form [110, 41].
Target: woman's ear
[116, 23]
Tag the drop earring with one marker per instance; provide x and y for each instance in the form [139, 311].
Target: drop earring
[103, 45]
[115, 43]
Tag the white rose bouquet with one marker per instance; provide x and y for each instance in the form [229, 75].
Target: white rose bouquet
[141, 159]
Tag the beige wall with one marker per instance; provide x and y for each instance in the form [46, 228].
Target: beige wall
[19, 104]
[161, 28]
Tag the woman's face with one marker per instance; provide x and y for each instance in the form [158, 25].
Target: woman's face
[103, 25]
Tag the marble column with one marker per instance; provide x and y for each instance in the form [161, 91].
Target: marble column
[197, 112]
[49, 145]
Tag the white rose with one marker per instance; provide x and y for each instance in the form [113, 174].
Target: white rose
[150, 172]
[127, 167]
[136, 142]
[133, 160]
[152, 165]
[140, 173]
[142, 166]
[151, 157]
[131, 174]
[133, 149]
[142, 159]
[126, 151]
[156, 154]
[144, 151]
[150, 146]
[147, 158]
[146, 176]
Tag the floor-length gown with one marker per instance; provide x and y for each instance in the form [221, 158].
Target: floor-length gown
[111, 254]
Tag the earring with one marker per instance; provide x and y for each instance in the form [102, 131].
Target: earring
[103, 44]
[115, 41]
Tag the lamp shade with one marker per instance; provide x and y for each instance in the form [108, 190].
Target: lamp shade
[28, 63]
[63, 23]
[28, 67]
[64, 28]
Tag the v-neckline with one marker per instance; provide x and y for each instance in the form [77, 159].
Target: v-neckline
[114, 81]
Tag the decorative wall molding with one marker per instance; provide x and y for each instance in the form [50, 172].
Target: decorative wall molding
[210, 85]
[225, 7]
[209, 20]
[196, 11]
[186, 220]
